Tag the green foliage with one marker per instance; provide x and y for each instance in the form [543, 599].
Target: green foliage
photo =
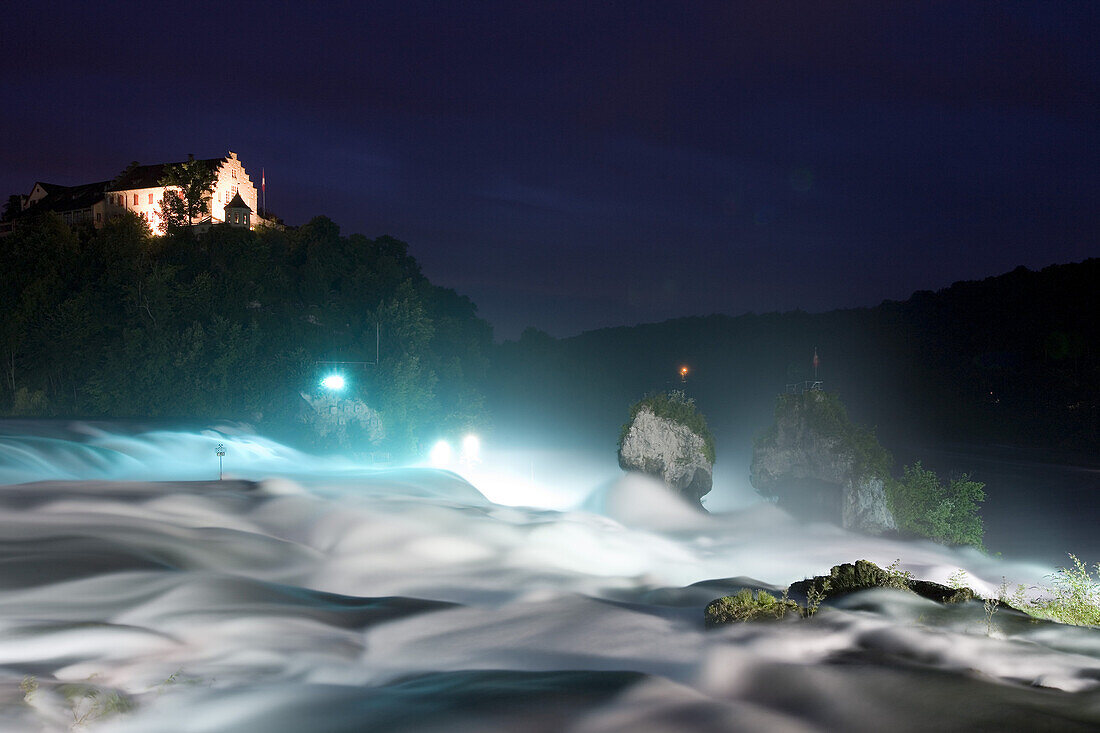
[677, 407]
[231, 324]
[818, 592]
[187, 200]
[957, 580]
[90, 703]
[1075, 597]
[825, 414]
[748, 605]
[923, 506]
[898, 578]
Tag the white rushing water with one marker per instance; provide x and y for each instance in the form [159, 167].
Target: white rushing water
[321, 595]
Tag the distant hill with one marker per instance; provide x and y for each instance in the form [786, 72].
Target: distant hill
[1010, 359]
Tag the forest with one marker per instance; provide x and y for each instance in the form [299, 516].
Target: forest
[233, 324]
[1012, 359]
[242, 325]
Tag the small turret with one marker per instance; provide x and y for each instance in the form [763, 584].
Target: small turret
[238, 213]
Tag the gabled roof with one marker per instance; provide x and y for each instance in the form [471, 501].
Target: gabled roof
[237, 203]
[70, 198]
[49, 187]
[149, 176]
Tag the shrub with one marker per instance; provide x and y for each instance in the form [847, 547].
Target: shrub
[677, 407]
[749, 606]
[923, 506]
[1076, 596]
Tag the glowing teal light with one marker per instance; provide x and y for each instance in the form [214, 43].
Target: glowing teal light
[334, 382]
[440, 454]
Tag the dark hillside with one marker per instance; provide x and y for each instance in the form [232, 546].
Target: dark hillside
[1010, 359]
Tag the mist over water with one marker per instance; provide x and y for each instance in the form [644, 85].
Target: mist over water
[539, 589]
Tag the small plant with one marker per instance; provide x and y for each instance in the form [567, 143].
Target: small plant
[991, 605]
[898, 578]
[957, 580]
[90, 703]
[816, 594]
[28, 687]
[1075, 596]
[1019, 598]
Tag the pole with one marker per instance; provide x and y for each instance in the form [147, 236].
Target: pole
[220, 451]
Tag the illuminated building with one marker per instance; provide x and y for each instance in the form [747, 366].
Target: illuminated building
[138, 189]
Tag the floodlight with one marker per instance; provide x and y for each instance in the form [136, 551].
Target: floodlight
[471, 449]
[440, 454]
[334, 382]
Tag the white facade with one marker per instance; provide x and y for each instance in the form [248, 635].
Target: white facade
[231, 179]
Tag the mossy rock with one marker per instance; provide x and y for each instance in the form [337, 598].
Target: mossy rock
[863, 574]
[749, 606]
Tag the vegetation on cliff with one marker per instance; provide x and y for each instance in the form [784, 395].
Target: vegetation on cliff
[677, 407]
[231, 323]
[824, 414]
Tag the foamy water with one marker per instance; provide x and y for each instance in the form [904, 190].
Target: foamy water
[309, 593]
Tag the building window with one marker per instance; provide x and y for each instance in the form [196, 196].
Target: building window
[98, 217]
[135, 199]
[233, 173]
[150, 198]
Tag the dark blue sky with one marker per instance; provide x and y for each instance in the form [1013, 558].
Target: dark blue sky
[571, 165]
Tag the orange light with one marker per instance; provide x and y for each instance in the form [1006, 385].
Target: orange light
[683, 371]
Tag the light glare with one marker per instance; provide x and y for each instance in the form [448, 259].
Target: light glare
[471, 449]
[334, 382]
[440, 455]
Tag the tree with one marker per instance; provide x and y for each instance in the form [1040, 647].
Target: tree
[923, 506]
[187, 195]
[13, 206]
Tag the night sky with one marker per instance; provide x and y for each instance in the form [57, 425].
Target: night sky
[572, 165]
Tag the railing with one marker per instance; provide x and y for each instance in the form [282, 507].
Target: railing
[813, 385]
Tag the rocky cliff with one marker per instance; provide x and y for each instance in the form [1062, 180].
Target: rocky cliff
[669, 450]
[820, 466]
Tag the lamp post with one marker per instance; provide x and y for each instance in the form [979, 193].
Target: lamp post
[220, 450]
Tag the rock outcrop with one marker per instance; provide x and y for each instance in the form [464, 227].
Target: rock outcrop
[820, 466]
[670, 451]
[864, 574]
[802, 599]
